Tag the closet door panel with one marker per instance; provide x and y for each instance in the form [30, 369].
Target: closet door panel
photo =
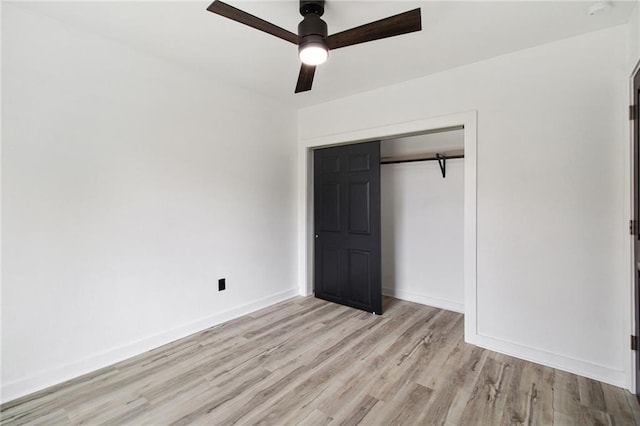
[347, 262]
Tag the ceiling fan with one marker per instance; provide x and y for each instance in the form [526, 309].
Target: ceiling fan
[312, 39]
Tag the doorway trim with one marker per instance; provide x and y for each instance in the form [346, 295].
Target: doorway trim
[305, 195]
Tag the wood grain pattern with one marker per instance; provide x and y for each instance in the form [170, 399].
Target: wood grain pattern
[305, 78]
[399, 24]
[243, 17]
[310, 362]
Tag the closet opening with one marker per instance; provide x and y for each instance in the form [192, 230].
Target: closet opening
[423, 218]
[467, 123]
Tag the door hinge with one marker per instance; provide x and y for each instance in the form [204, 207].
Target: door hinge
[632, 227]
[634, 343]
[633, 112]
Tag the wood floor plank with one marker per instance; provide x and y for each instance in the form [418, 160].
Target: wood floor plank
[243, 404]
[214, 397]
[409, 406]
[566, 395]
[316, 381]
[354, 415]
[459, 374]
[486, 404]
[306, 361]
[414, 358]
[530, 394]
[58, 417]
[591, 394]
[616, 404]
[317, 418]
[633, 405]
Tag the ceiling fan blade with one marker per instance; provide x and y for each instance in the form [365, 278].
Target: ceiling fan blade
[402, 23]
[305, 78]
[238, 15]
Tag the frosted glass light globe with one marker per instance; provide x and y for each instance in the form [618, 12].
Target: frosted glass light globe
[313, 54]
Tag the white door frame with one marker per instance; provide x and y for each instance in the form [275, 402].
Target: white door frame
[305, 195]
[631, 305]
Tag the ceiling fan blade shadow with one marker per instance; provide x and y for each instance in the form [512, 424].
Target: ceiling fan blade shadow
[402, 23]
[305, 78]
[245, 18]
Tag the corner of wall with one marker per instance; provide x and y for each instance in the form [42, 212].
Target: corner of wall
[560, 362]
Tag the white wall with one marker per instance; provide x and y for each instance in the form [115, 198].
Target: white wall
[552, 200]
[634, 37]
[423, 223]
[129, 186]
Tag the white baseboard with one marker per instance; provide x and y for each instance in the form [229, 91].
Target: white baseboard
[561, 362]
[449, 305]
[22, 387]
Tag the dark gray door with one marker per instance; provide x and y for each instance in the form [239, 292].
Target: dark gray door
[347, 225]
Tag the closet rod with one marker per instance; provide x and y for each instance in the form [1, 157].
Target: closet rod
[413, 160]
[440, 158]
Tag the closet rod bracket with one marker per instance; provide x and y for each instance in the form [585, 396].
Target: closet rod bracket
[442, 162]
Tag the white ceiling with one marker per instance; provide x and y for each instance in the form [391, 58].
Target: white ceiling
[454, 33]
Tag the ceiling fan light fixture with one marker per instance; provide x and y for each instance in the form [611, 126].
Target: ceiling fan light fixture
[312, 30]
[313, 40]
[313, 52]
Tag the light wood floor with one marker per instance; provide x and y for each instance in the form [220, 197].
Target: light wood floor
[306, 361]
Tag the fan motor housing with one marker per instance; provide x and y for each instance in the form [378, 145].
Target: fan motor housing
[312, 24]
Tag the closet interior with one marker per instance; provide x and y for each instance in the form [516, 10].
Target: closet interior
[422, 190]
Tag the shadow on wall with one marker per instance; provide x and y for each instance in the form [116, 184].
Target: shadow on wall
[389, 235]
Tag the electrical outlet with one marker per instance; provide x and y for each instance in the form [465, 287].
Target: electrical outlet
[222, 284]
